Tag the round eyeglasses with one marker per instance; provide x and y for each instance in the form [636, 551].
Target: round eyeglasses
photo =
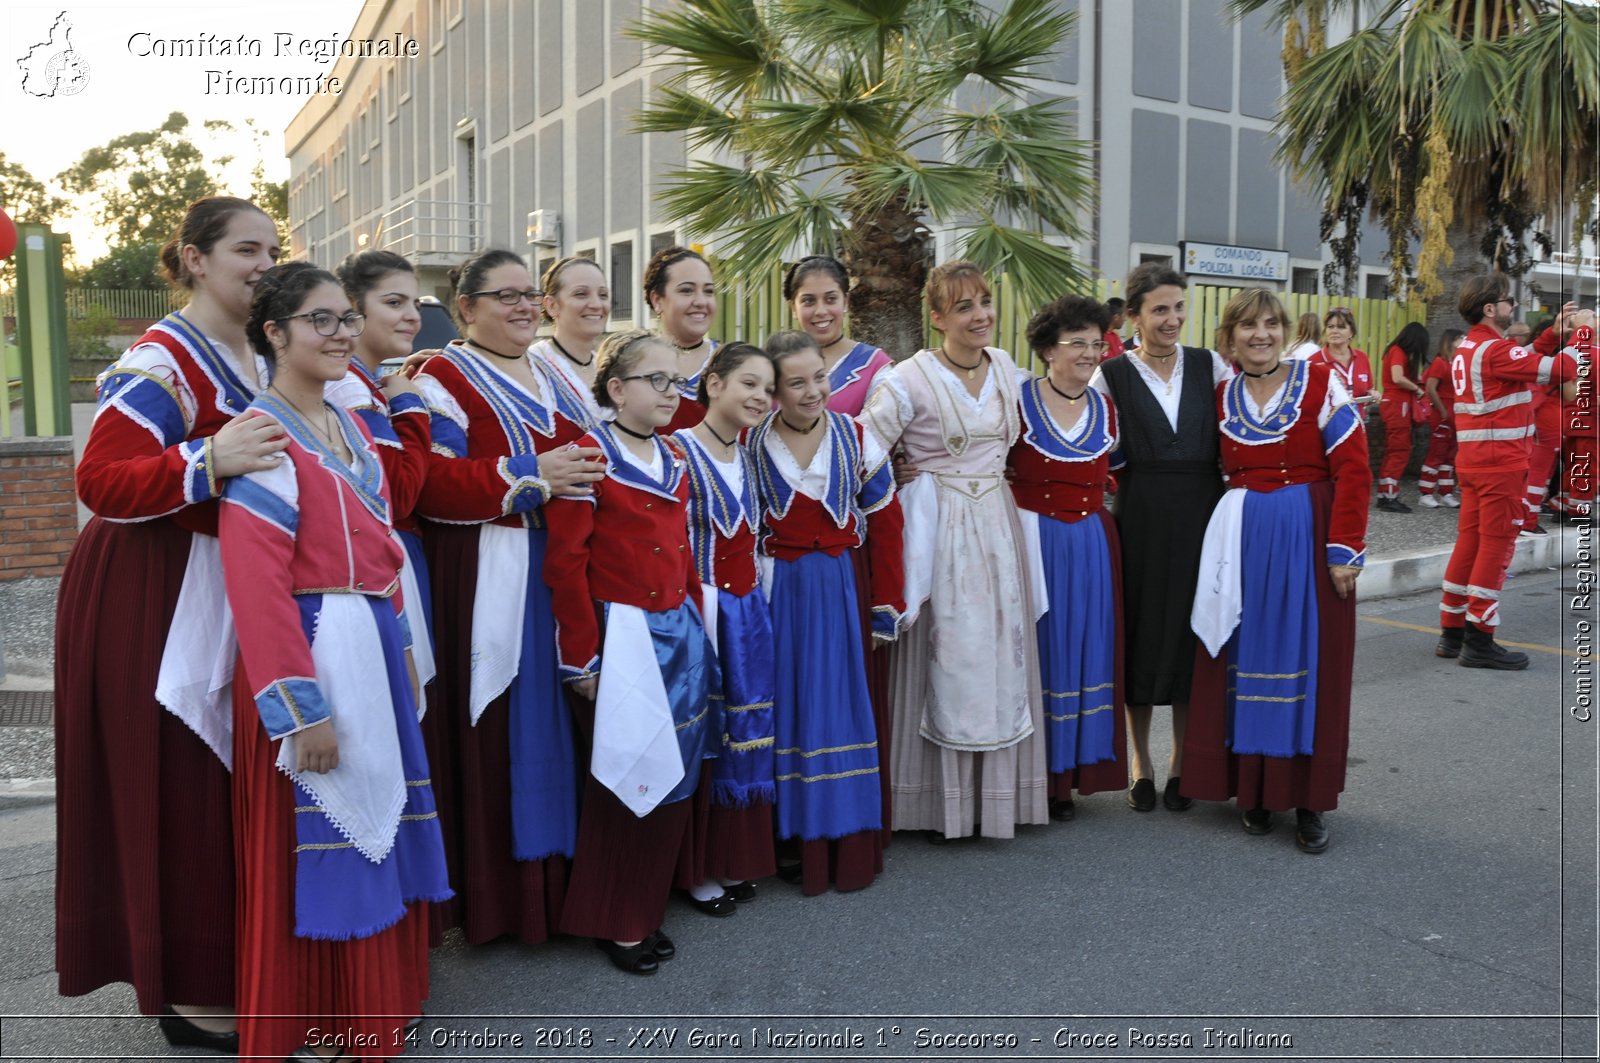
[660, 381]
[327, 323]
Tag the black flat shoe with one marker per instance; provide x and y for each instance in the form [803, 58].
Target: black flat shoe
[1142, 798]
[661, 946]
[1172, 799]
[790, 873]
[181, 1033]
[1309, 833]
[635, 959]
[741, 891]
[935, 837]
[1062, 811]
[1256, 821]
[717, 907]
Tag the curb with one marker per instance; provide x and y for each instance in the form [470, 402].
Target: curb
[1411, 573]
[18, 792]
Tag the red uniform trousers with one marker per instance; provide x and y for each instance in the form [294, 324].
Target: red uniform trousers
[1396, 416]
[1491, 511]
[1578, 473]
[1439, 467]
[1546, 448]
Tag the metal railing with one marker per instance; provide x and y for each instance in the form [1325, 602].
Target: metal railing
[130, 303]
[419, 228]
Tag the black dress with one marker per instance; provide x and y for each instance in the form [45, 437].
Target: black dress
[1168, 487]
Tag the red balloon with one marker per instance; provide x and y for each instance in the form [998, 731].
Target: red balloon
[8, 236]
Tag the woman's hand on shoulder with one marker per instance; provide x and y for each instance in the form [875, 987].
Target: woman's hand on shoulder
[571, 469]
[248, 443]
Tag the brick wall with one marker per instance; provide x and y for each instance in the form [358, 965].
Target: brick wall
[38, 506]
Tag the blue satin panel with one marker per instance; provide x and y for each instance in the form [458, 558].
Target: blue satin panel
[826, 761]
[742, 775]
[338, 893]
[691, 675]
[1077, 643]
[544, 769]
[1272, 658]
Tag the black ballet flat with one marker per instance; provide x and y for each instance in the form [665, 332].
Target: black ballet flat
[661, 946]
[717, 907]
[1062, 811]
[741, 891]
[181, 1033]
[936, 837]
[635, 959]
[790, 873]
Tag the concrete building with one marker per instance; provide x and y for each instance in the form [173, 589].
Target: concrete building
[511, 128]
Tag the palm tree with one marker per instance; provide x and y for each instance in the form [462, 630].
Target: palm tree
[852, 126]
[1457, 122]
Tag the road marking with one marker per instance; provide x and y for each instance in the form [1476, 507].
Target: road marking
[1434, 631]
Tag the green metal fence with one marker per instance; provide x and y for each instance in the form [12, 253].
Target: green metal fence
[130, 303]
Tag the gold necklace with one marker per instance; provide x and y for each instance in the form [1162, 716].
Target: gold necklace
[972, 370]
[326, 431]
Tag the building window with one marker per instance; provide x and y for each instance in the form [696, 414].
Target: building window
[1303, 281]
[545, 262]
[436, 25]
[588, 252]
[622, 280]
[662, 241]
[1165, 260]
[408, 32]
[1377, 286]
[455, 7]
[374, 127]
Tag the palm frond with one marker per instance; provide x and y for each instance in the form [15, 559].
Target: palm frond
[1280, 11]
[944, 190]
[724, 44]
[1044, 271]
[703, 123]
[715, 196]
[1473, 99]
[1555, 99]
[761, 244]
[1004, 52]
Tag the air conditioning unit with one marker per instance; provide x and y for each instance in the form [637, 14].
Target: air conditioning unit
[544, 228]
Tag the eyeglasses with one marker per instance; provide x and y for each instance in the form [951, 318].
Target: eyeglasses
[511, 296]
[327, 323]
[1077, 347]
[661, 381]
[1512, 303]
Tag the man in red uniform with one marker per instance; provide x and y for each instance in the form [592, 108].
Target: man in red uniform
[1494, 433]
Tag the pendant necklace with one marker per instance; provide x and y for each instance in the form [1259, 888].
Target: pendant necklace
[972, 370]
[1072, 400]
[1162, 358]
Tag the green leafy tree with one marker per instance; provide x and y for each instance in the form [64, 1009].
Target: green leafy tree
[25, 198]
[1456, 123]
[854, 126]
[131, 265]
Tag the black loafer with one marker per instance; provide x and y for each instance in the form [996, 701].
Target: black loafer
[741, 891]
[1256, 821]
[1172, 799]
[661, 946]
[717, 907]
[936, 837]
[790, 873]
[635, 959]
[1142, 798]
[1309, 833]
[1062, 811]
[181, 1033]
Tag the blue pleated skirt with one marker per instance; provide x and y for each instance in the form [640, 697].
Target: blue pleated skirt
[1077, 644]
[1272, 657]
[742, 774]
[339, 894]
[826, 762]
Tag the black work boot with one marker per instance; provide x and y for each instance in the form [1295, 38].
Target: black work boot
[1449, 642]
[1480, 650]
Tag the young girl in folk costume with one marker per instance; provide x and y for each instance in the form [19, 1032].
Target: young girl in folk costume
[1269, 718]
[968, 710]
[817, 289]
[827, 488]
[634, 649]
[577, 303]
[383, 287]
[144, 647]
[1402, 391]
[682, 294]
[1058, 475]
[503, 751]
[1437, 483]
[731, 839]
[338, 837]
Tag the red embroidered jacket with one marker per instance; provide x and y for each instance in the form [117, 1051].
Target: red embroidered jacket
[1494, 410]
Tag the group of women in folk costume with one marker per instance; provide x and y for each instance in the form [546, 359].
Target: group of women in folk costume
[524, 644]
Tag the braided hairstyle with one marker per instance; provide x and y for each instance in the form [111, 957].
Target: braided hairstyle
[361, 272]
[655, 271]
[204, 224]
[724, 361]
[619, 355]
[814, 264]
[279, 294]
[781, 345]
[551, 283]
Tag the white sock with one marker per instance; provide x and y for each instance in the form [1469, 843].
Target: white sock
[706, 891]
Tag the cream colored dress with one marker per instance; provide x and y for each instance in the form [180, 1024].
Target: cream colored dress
[968, 746]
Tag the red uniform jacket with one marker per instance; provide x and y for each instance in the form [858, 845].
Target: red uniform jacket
[1357, 378]
[400, 429]
[1494, 411]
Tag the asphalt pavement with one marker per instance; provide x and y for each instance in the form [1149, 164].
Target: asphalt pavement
[1453, 917]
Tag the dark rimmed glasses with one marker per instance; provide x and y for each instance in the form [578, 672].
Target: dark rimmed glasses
[327, 323]
[510, 296]
[660, 381]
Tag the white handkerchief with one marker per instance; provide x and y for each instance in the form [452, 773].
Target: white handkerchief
[1218, 599]
[636, 752]
[195, 682]
[497, 613]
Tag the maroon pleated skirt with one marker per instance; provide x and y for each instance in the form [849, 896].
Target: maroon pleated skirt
[144, 835]
[877, 689]
[1108, 774]
[357, 994]
[624, 865]
[725, 843]
[1212, 773]
[496, 895]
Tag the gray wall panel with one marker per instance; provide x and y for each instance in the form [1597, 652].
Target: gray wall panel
[524, 165]
[550, 60]
[497, 86]
[1210, 56]
[590, 223]
[524, 18]
[421, 114]
[1301, 219]
[1156, 43]
[626, 166]
[550, 189]
[1260, 67]
[1210, 158]
[590, 68]
[667, 153]
[443, 123]
[500, 231]
[1065, 65]
[1153, 191]
[625, 51]
[1258, 191]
